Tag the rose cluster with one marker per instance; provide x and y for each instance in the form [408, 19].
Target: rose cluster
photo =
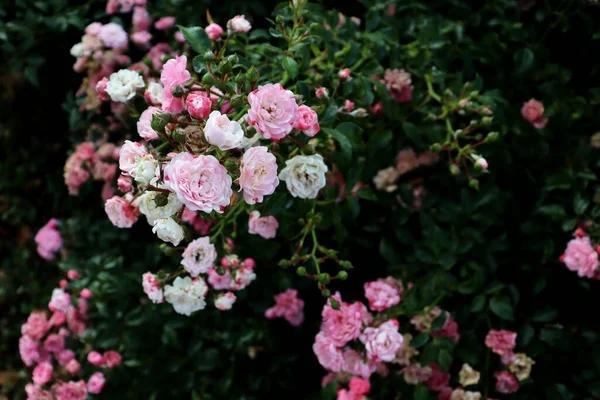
[503, 342]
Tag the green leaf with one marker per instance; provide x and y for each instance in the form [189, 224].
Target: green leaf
[196, 37]
[445, 359]
[523, 60]
[199, 64]
[439, 322]
[545, 315]
[420, 339]
[366, 193]
[290, 66]
[502, 307]
[208, 360]
[580, 204]
[478, 303]
[412, 132]
[344, 142]
[429, 354]
[421, 392]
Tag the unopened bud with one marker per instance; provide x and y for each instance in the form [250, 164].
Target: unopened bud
[178, 136]
[301, 271]
[252, 74]
[346, 264]
[325, 292]
[233, 59]
[331, 253]
[454, 169]
[237, 101]
[208, 78]
[436, 147]
[178, 91]
[474, 183]
[492, 137]
[209, 56]
[240, 79]
[324, 278]
[224, 67]
[284, 263]
[221, 270]
[334, 303]
[342, 275]
[301, 221]
[167, 251]
[487, 120]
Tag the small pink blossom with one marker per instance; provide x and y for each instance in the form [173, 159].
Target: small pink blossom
[501, 342]
[54, 343]
[342, 325]
[174, 73]
[428, 158]
[328, 354]
[141, 38]
[113, 36]
[377, 108]
[414, 373]
[263, 226]
[71, 391]
[73, 367]
[506, 382]
[60, 301]
[406, 161]
[321, 93]
[179, 37]
[355, 364]
[200, 182]
[101, 89]
[273, 111]
[48, 240]
[581, 256]
[213, 31]
[94, 358]
[344, 394]
[239, 24]
[198, 105]
[36, 326]
[152, 288]
[349, 106]
[29, 350]
[258, 174]
[225, 301]
[307, 121]
[219, 282]
[58, 318]
[120, 212]
[144, 126]
[398, 83]
[141, 19]
[288, 306]
[111, 359]
[450, 329]
[359, 385]
[96, 383]
[344, 73]
[93, 29]
[438, 380]
[164, 23]
[381, 296]
[36, 393]
[533, 112]
[42, 373]
[124, 183]
[199, 256]
[64, 357]
[382, 342]
[85, 293]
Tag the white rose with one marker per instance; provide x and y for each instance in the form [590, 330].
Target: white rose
[225, 301]
[304, 175]
[155, 93]
[239, 24]
[168, 230]
[242, 278]
[186, 295]
[146, 170]
[148, 207]
[223, 133]
[386, 179]
[123, 85]
[78, 50]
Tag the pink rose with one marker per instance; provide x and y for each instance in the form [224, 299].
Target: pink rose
[152, 288]
[198, 105]
[288, 306]
[263, 226]
[355, 364]
[94, 358]
[581, 256]
[111, 359]
[225, 301]
[398, 83]
[101, 89]
[164, 23]
[58, 318]
[220, 131]
[144, 126]
[96, 383]
[73, 367]
[124, 183]
[220, 282]
[213, 31]
[344, 73]
[199, 256]
[93, 29]
[85, 293]
[71, 391]
[501, 342]
[414, 373]
[450, 329]
[377, 108]
[60, 301]
[48, 240]
[329, 356]
[142, 38]
[348, 106]
[406, 161]
[130, 155]
[533, 112]
[273, 111]
[321, 93]
[381, 296]
[113, 35]
[258, 174]
[505, 382]
[36, 393]
[179, 37]
[54, 343]
[200, 182]
[36, 326]
[29, 350]
[382, 342]
[344, 394]
[120, 212]
[174, 73]
[42, 373]
[438, 380]
[307, 121]
[141, 19]
[359, 385]
[342, 325]
[239, 24]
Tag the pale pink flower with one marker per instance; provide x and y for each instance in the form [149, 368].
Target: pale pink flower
[219, 282]
[342, 325]
[152, 288]
[96, 383]
[85, 293]
[141, 38]
[533, 112]
[505, 382]
[94, 358]
[213, 31]
[239, 24]
[144, 127]
[36, 326]
[398, 83]
[29, 350]
[344, 394]
[382, 342]
[113, 36]
[179, 37]
[225, 301]
[120, 212]
[406, 161]
[199, 256]
[273, 111]
[581, 256]
[349, 106]
[174, 73]
[222, 132]
[439, 379]
[130, 155]
[328, 354]
[36, 393]
[344, 73]
[124, 183]
[93, 29]
[60, 301]
[450, 329]
[71, 391]
[164, 23]
[359, 385]
[200, 182]
[101, 89]
[258, 174]
[140, 19]
[104, 171]
[111, 359]
[242, 277]
[58, 318]
[73, 367]
[423, 321]
[263, 226]
[381, 296]
[501, 342]
[428, 158]
[48, 240]
[42, 373]
[386, 179]
[157, 53]
[355, 364]
[198, 105]
[307, 121]
[414, 373]
[54, 343]
[288, 306]
[321, 93]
